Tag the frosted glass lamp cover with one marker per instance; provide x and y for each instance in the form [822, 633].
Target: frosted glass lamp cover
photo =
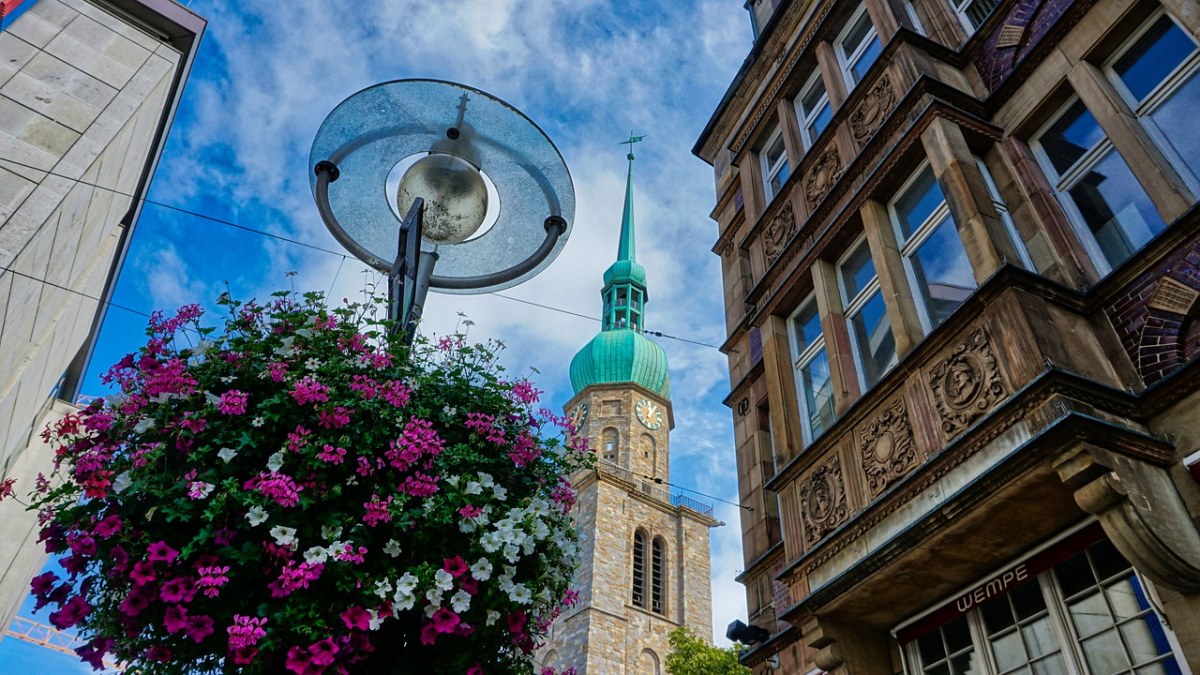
[456, 200]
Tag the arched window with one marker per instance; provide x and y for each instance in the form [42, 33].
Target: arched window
[648, 663]
[650, 454]
[639, 569]
[657, 563]
[610, 442]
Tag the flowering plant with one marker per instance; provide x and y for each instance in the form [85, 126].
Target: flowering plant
[300, 492]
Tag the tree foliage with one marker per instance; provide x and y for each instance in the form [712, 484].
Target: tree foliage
[691, 655]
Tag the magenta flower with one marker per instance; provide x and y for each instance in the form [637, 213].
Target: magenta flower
[6, 488]
[455, 566]
[108, 527]
[71, 613]
[175, 619]
[299, 661]
[43, 584]
[142, 573]
[160, 552]
[428, 634]
[445, 621]
[180, 589]
[233, 402]
[198, 628]
[323, 652]
[332, 455]
[159, 653]
[246, 632]
[309, 390]
[212, 578]
[356, 618]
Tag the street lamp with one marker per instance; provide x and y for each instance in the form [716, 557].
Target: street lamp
[457, 139]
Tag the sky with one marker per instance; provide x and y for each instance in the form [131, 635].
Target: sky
[588, 72]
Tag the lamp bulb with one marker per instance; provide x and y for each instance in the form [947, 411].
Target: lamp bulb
[456, 200]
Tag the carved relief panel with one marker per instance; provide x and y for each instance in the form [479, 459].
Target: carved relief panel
[822, 497]
[887, 448]
[823, 174]
[966, 383]
[869, 114]
[779, 232]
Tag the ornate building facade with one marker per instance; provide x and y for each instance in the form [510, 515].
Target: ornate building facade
[645, 552]
[88, 90]
[960, 243]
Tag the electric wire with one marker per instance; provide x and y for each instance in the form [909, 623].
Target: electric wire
[660, 481]
[297, 242]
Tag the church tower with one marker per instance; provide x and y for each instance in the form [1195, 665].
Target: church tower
[645, 552]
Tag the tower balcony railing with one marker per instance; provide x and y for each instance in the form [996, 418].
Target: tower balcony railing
[652, 490]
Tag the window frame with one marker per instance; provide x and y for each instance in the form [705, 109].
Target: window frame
[1005, 216]
[802, 356]
[1064, 183]
[847, 61]
[770, 171]
[960, 10]
[806, 118]
[852, 306]
[1164, 90]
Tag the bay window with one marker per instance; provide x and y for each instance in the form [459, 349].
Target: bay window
[935, 260]
[813, 109]
[972, 13]
[857, 47]
[1099, 192]
[811, 363]
[871, 336]
[1156, 74]
[774, 160]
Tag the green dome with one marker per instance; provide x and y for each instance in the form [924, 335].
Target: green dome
[625, 272]
[621, 355]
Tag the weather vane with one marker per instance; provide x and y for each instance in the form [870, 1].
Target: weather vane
[632, 139]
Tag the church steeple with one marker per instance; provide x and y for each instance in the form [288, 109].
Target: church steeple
[621, 353]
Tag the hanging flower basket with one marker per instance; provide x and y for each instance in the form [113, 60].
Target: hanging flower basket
[299, 492]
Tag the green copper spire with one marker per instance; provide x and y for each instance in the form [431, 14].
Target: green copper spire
[621, 353]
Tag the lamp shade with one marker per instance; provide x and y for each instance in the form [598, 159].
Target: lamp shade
[448, 125]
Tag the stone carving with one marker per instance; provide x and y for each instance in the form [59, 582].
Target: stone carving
[823, 501]
[869, 114]
[967, 383]
[779, 232]
[823, 174]
[887, 447]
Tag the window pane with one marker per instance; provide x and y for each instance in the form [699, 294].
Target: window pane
[1051, 666]
[1104, 653]
[856, 35]
[812, 97]
[1039, 638]
[1072, 135]
[818, 393]
[964, 664]
[1116, 209]
[863, 64]
[1090, 614]
[997, 615]
[1158, 52]
[820, 121]
[1141, 640]
[873, 334]
[1074, 575]
[1176, 119]
[1123, 599]
[931, 647]
[944, 275]
[857, 271]
[775, 151]
[1028, 601]
[978, 11]
[808, 326]
[779, 178]
[918, 202]
[1107, 560]
[1008, 651]
[958, 635]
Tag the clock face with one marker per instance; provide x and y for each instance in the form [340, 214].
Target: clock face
[649, 414]
[579, 416]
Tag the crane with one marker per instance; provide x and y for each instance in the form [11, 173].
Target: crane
[51, 638]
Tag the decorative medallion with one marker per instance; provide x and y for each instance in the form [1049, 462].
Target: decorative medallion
[779, 232]
[888, 450]
[1010, 35]
[724, 247]
[823, 174]
[823, 501]
[1173, 296]
[967, 383]
[869, 114]
[649, 414]
[579, 415]
[743, 406]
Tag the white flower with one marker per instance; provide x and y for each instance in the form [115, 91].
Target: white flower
[482, 570]
[473, 488]
[331, 532]
[304, 332]
[212, 398]
[392, 548]
[258, 421]
[486, 480]
[520, 595]
[227, 454]
[274, 462]
[199, 489]
[452, 481]
[402, 601]
[460, 601]
[432, 609]
[316, 554]
[383, 587]
[512, 552]
[228, 379]
[376, 619]
[352, 480]
[286, 348]
[312, 364]
[257, 515]
[491, 542]
[407, 583]
[500, 493]
[202, 346]
[449, 411]
[284, 536]
[434, 596]
[492, 617]
[443, 580]
[121, 483]
[145, 424]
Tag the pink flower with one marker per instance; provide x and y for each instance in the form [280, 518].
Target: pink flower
[298, 439]
[377, 511]
[309, 390]
[198, 628]
[233, 402]
[331, 454]
[356, 618]
[212, 578]
[277, 486]
[428, 634]
[322, 652]
[6, 488]
[348, 554]
[475, 670]
[137, 600]
[455, 566]
[396, 393]
[142, 573]
[445, 621]
[160, 552]
[180, 589]
[175, 619]
[277, 371]
[525, 392]
[299, 661]
[159, 653]
[72, 613]
[335, 419]
[245, 631]
[108, 527]
[470, 512]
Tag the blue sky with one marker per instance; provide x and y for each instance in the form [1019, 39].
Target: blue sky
[587, 71]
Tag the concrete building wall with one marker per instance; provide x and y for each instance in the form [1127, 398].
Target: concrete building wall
[86, 94]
